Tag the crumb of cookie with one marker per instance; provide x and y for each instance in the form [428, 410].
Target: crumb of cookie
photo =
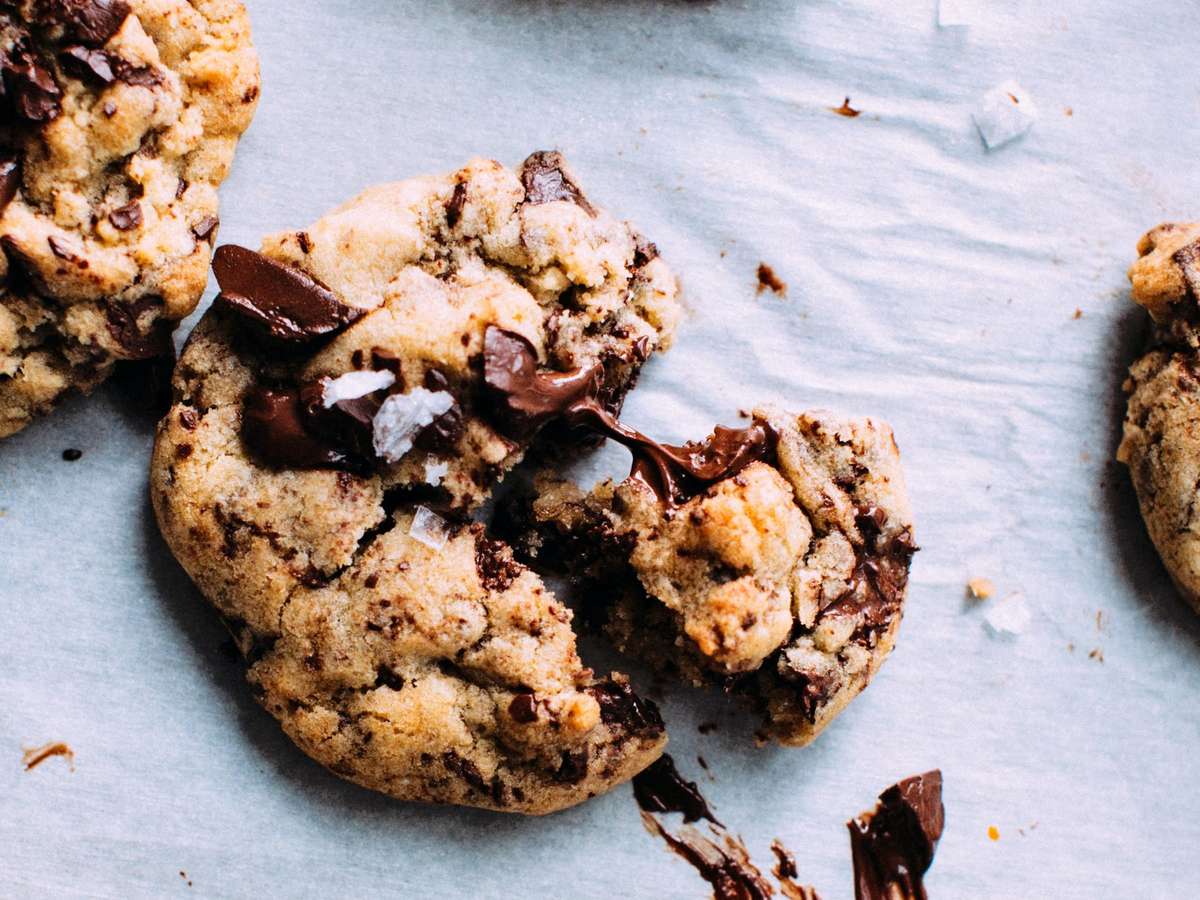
[429, 528]
[846, 109]
[1101, 620]
[1068, 112]
[1078, 313]
[1005, 113]
[71, 454]
[35, 756]
[980, 588]
[1070, 648]
[1010, 616]
[1097, 654]
[767, 279]
[993, 833]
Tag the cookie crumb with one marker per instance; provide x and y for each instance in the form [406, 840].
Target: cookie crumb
[768, 279]
[35, 756]
[1068, 112]
[993, 833]
[1097, 654]
[1078, 313]
[846, 110]
[71, 454]
[980, 588]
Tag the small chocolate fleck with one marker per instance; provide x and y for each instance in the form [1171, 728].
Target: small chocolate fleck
[304, 241]
[454, 206]
[71, 454]
[127, 217]
[524, 708]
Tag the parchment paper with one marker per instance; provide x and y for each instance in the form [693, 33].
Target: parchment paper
[931, 284]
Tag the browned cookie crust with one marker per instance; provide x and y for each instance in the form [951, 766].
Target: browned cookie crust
[118, 120]
[331, 398]
[1161, 441]
[782, 582]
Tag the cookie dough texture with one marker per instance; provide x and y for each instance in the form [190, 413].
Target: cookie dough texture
[113, 183]
[1161, 440]
[783, 584]
[441, 673]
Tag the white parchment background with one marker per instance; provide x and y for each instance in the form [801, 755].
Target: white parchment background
[932, 284]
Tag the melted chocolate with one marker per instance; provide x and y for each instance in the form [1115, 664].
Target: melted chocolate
[287, 302]
[728, 869]
[528, 399]
[273, 429]
[660, 788]
[893, 846]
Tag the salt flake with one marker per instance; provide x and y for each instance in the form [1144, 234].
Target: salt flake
[402, 417]
[353, 385]
[1005, 113]
[435, 471]
[429, 528]
[1010, 616]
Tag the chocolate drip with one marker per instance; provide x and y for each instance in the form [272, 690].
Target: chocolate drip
[893, 846]
[528, 399]
[661, 788]
[286, 301]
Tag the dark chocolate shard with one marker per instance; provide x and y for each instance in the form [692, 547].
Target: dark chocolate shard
[10, 177]
[287, 302]
[88, 65]
[545, 178]
[124, 324]
[205, 227]
[138, 76]
[454, 206]
[660, 789]
[526, 398]
[893, 846]
[127, 217]
[620, 707]
[90, 22]
[31, 88]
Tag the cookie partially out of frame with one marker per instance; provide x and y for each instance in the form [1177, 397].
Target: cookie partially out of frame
[118, 120]
[1161, 440]
[332, 424]
[778, 575]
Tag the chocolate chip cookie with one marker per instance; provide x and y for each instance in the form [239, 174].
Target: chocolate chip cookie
[1161, 443]
[351, 395]
[118, 120]
[769, 561]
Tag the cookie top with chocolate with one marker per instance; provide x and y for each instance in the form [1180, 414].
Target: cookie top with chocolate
[118, 120]
[348, 398]
[771, 561]
[1160, 443]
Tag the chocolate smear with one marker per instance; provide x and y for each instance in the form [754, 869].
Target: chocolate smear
[893, 846]
[527, 399]
[660, 788]
[10, 177]
[287, 302]
[785, 873]
[545, 179]
[727, 868]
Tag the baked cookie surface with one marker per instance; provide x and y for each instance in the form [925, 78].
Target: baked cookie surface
[333, 424]
[780, 576]
[1161, 436]
[119, 120]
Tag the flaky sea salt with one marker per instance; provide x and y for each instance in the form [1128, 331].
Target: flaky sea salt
[435, 471]
[1010, 616]
[402, 417]
[1005, 113]
[353, 385]
[953, 13]
[429, 528]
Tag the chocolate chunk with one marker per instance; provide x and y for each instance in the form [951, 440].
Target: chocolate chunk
[127, 217]
[443, 433]
[31, 88]
[893, 846]
[205, 227]
[287, 302]
[136, 76]
[573, 767]
[71, 454]
[643, 251]
[494, 564]
[63, 251]
[546, 180]
[660, 788]
[273, 429]
[90, 22]
[10, 177]
[146, 383]
[125, 327]
[465, 769]
[524, 708]
[86, 64]
[620, 707]
[454, 206]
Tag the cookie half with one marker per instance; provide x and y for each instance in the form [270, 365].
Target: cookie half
[118, 121]
[333, 423]
[778, 575]
[1161, 437]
